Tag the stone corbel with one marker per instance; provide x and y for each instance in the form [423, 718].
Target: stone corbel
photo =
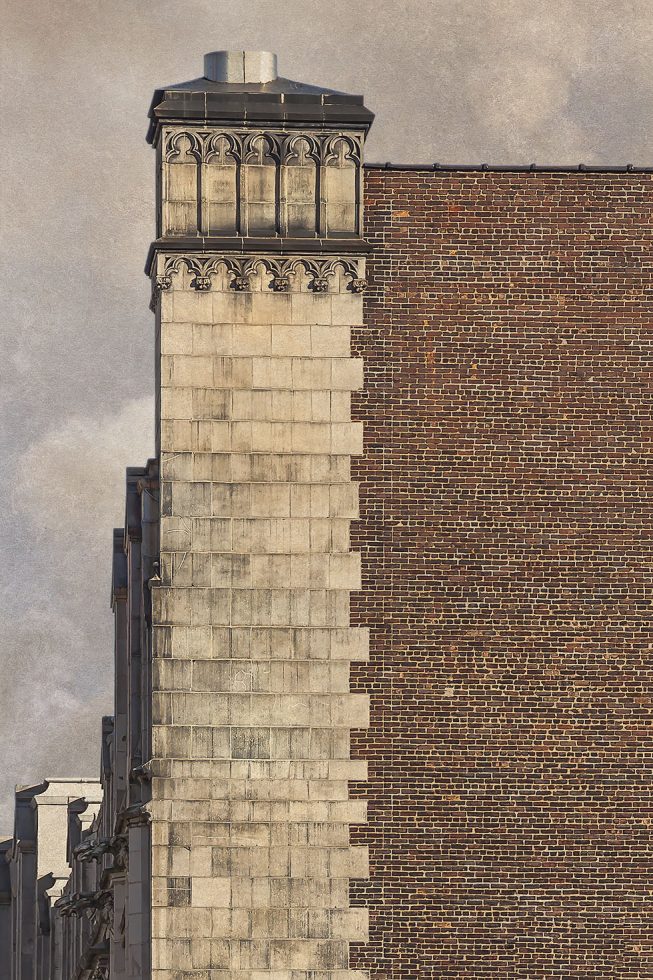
[134, 816]
[141, 774]
[92, 850]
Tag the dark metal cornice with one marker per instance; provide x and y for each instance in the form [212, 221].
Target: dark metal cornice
[281, 102]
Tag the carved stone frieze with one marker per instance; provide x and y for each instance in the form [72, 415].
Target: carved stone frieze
[245, 146]
[287, 273]
[93, 849]
[260, 183]
[119, 849]
[134, 816]
[81, 903]
[101, 914]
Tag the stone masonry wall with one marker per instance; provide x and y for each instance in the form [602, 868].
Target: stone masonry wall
[506, 534]
[252, 644]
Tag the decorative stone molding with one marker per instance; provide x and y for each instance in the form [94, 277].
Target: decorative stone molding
[134, 816]
[81, 903]
[286, 273]
[120, 851]
[92, 850]
[261, 183]
[245, 146]
[141, 774]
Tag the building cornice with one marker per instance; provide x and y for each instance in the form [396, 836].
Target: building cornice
[256, 246]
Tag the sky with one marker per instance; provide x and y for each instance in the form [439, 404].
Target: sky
[454, 81]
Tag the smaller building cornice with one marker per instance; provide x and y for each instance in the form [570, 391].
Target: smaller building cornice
[517, 168]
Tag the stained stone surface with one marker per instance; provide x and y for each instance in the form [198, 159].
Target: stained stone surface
[251, 708]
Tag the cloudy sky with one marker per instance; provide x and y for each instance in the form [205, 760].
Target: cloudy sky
[503, 81]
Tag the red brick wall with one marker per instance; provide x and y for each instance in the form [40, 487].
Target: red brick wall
[507, 539]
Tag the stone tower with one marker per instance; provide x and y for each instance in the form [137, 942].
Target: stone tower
[257, 272]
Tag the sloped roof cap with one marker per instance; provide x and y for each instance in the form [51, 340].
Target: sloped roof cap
[253, 96]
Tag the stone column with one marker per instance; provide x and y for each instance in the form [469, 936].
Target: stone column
[258, 273]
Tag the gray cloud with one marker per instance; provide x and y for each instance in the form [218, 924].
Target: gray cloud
[500, 81]
[67, 496]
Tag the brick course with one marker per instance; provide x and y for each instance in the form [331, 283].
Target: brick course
[506, 540]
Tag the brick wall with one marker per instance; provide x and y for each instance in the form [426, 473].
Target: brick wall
[506, 541]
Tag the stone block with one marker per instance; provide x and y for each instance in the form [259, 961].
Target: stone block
[352, 862]
[355, 770]
[272, 372]
[195, 709]
[166, 312]
[320, 406]
[347, 309]
[330, 341]
[232, 372]
[192, 306]
[310, 308]
[176, 436]
[223, 307]
[350, 710]
[347, 438]
[347, 374]
[210, 403]
[250, 743]
[171, 675]
[176, 338]
[210, 892]
[191, 643]
[176, 403]
[211, 338]
[272, 307]
[171, 741]
[252, 339]
[171, 606]
[311, 373]
[291, 340]
[210, 742]
[176, 466]
[345, 571]
[210, 675]
[192, 371]
[191, 499]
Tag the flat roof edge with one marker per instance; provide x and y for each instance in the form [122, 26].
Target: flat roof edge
[627, 168]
